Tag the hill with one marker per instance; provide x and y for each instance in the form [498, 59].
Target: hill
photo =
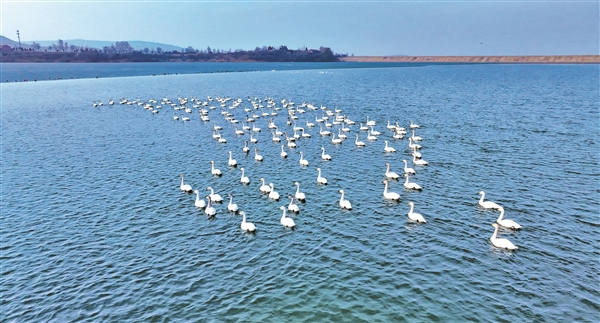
[136, 44]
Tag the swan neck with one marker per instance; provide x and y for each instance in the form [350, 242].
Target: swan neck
[482, 197]
[501, 215]
[412, 208]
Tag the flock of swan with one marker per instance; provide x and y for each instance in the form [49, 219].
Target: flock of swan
[330, 123]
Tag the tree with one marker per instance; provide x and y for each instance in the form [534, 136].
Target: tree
[123, 47]
[146, 50]
[60, 45]
[190, 49]
[35, 46]
[158, 50]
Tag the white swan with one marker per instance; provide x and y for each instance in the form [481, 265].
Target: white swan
[292, 207]
[374, 132]
[246, 149]
[246, 226]
[487, 204]
[410, 185]
[363, 127]
[344, 204]
[209, 210]
[415, 138]
[232, 207]
[416, 154]
[413, 125]
[273, 195]
[303, 162]
[388, 149]
[413, 216]
[232, 162]
[264, 188]
[213, 170]
[419, 162]
[412, 145]
[370, 122]
[285, 221]
[299, 195]
[321, 179]
[244, 179]
[389, 195]
[324, 156]
[257, 157]
[389, 174]
[216, 198]
[184, 187]
[507, 223]
[370, 137]
[199, 203]
[335, 141]
[283, 154]
[500, 242]
[252, 139]
[408, 170]
[358, 143]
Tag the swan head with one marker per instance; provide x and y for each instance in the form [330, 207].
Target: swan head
[209, 188]
[196, 191]
[241, 168]
[411, 203]
[319, 169]
[341, 191]
[242, 213]
[271, 184]
[212, 162]
[495, 225]
[282, 208]
[480, 192]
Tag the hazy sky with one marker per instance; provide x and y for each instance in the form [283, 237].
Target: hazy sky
[472, 27]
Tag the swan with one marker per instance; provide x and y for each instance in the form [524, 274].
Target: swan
[184, 187]
[273, 195]
[246, 149]
[292, 207]
[291, 143]
[410, 185]
[232, 207]
[358, 143]
[175, 117]
[389, 195]
[222, 140]
[252, 139]
[283, 154]
[374, 132]
[216, 135]
[299, 195]
[216, 198]
[408, 170]
[303, 162]
[416, 154]
[244, 179]
[238, 131]
[246, 226]
[305, 134]
[487, 204]
[285, 221]
[370, 137]
[344, 204]
[413, 125]
[389, 174]
[388, 149]
[335, 140]
[415, 138]
[213, 170]
[323, 132]
[419, 162]
[501, 242]
[507, 223]
[232, 162]
[413, 216]
[324, 156]
[363, 127]
[321, 179]
[257, 157]
[389, 126]
[341, 135]
[275, 137]
[209, 210]
[412, 145]
[370, 122]
[264, 188]
[217, 127]
[309, 124]
[199, 203]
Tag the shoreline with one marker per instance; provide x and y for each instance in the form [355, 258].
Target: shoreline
[532, 59]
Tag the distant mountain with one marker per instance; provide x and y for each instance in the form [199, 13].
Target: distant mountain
[136, 44]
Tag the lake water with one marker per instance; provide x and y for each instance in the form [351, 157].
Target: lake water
[95, 228]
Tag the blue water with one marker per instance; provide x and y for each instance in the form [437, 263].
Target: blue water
[19, 72]
[94, 227]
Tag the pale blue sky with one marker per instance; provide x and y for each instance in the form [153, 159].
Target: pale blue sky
[475, 27]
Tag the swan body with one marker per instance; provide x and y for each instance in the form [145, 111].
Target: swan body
[408, 170]
[199, 203]
[413, 216]
[419, 162]
[293, 207]
[283, 154]
[303, 162]
[209, 210]
[344, 204]
[324, 156]
[410, 185]
[488, 204]
[415, 138]
[231, 162]
[321, 179]
[389, 174]
[510, 224]
[335, 141]
[389, 195]
[257, 156]
[273, 195]
[264, 188]
[184, 187]
[388, 149]
[299, 195]
[232, 207]
[358, 143]
[413, 125]
[412, 145]
[215, 198]
[501, 242]
[244, 179]
[285, 221]
[246, 149]
[416, 154]
[246, 226]
[213, 170]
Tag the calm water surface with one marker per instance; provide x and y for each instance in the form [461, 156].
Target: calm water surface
[94, 227]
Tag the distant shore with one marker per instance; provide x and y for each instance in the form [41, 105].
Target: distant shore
[550, 59]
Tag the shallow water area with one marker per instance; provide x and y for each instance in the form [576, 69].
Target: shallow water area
[94, 226]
